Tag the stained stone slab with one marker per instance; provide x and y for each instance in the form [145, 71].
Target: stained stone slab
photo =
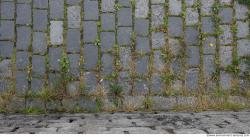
[36, 84]
[206, 6]
[124, 35]
[175, 25]
[158, 40]
[124, 3]
[7, 10]
[21, 82]
[192, 16]
[141, 87]
[174, 46]
[226, 55]
[190, 3]
[23, 38]
[209, 45]
[176, 85]
[125, 57]
[7, 30]
[55, 55]
[226, 15]
[157, 15]
[56, 32]
[73, 40]
[176, 66]
[193, 53]
[74, 17]
[243, 47]
[23, 12]
[41, 3]
[89, 31]
[6, 49]
[90, 10]
[107, 63]
[74, 65]
[209, 65]
[108, 6]
[242, 29]
[142, 65]
[22, 59]
[142, 9]
[191, 36]
[5, 68]
[225, 80]
[175, 7]
[39, 43]
[56, 8]
[142, 44]
[207, 25]
[158, 62]
[157, 85]
[125, 17]
[192, 79]
[38, 65]
[4, 85]
[241, 11]
[108, 21]
[73, 87]
[107, 40]
[226, 36]
[90, 81]
[40, 20]
[90, 56]
[142, 27]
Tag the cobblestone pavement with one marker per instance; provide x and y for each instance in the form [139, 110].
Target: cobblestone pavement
[129, 123]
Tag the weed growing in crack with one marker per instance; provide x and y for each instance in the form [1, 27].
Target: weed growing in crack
[116, 92]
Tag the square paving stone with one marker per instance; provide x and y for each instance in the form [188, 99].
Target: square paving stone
[107, 40]
[226, 36]
[207, 25]
[124, 3]
[89, 31]
[209, 45]
[39, 43]
[125, 57]
[206, 6]
[4, 85]
[241, 11]
[175, 7]
[157, 84]
[174, 46]
[158, 40]
[40, 20]
[175, 25]
[40, 3]
[108, 6]
[141, 27]
[191, 36]
[55, 55]
[124, 35]
[108, 21]
[225, 55]
[6, 49]
[73, 40]
[7, 10]
[23, 12]
[226, 15]
[74, 65]
[36, 84]
[73, 2]
[22, 59]
[192, 79]
[176, 66]
[225, 80]
[23, 38]
[242, 29]
[74, 17]
[90, 56]
[38, 65]
[141, 87]
[192, 16]
[243, 47]
[56, 9]
[107, 64]
[193, 53]
[142, 9]
[158, 62]
[90, 81]
[125, 17]
[190, 3]
[7, 30]
[142, 65]
[157, 15]
[91, 10]
[56, 32]
[142, 45]
[5, 68]
[209, 66]
[21, 82]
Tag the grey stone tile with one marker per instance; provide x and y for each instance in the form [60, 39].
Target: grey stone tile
[141, 27]
[56, 32]
[108, 6]
[90, 81]
[23, 12]
[175, 7]
[7, 10]
[39, 43]
[175, 26]
[242, 29]
[73, 40]
[107, 64]
[209, 45]
[193, 53]
[157, 15]
[226, 36]
[22, 59]
[56, 9]
[225, 55]
[225, 80]
[243, 47]
[108, 21]
[191, 36]
[192, 79]
[23, 38]
[21, 82]
[55, 55]
[40, 20]
[74, 17]
[192, 16]
[142, 65]
[40, 3]
[142, 8]
[107, 40]
[90, 56]
[6, 49]
[89, 31]
[207, 25]
[7, 30]
[142, 45]
[125, 17]
[124, 35]
[38, 65]
[226, 15]
[158, 40]
[90, 10]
